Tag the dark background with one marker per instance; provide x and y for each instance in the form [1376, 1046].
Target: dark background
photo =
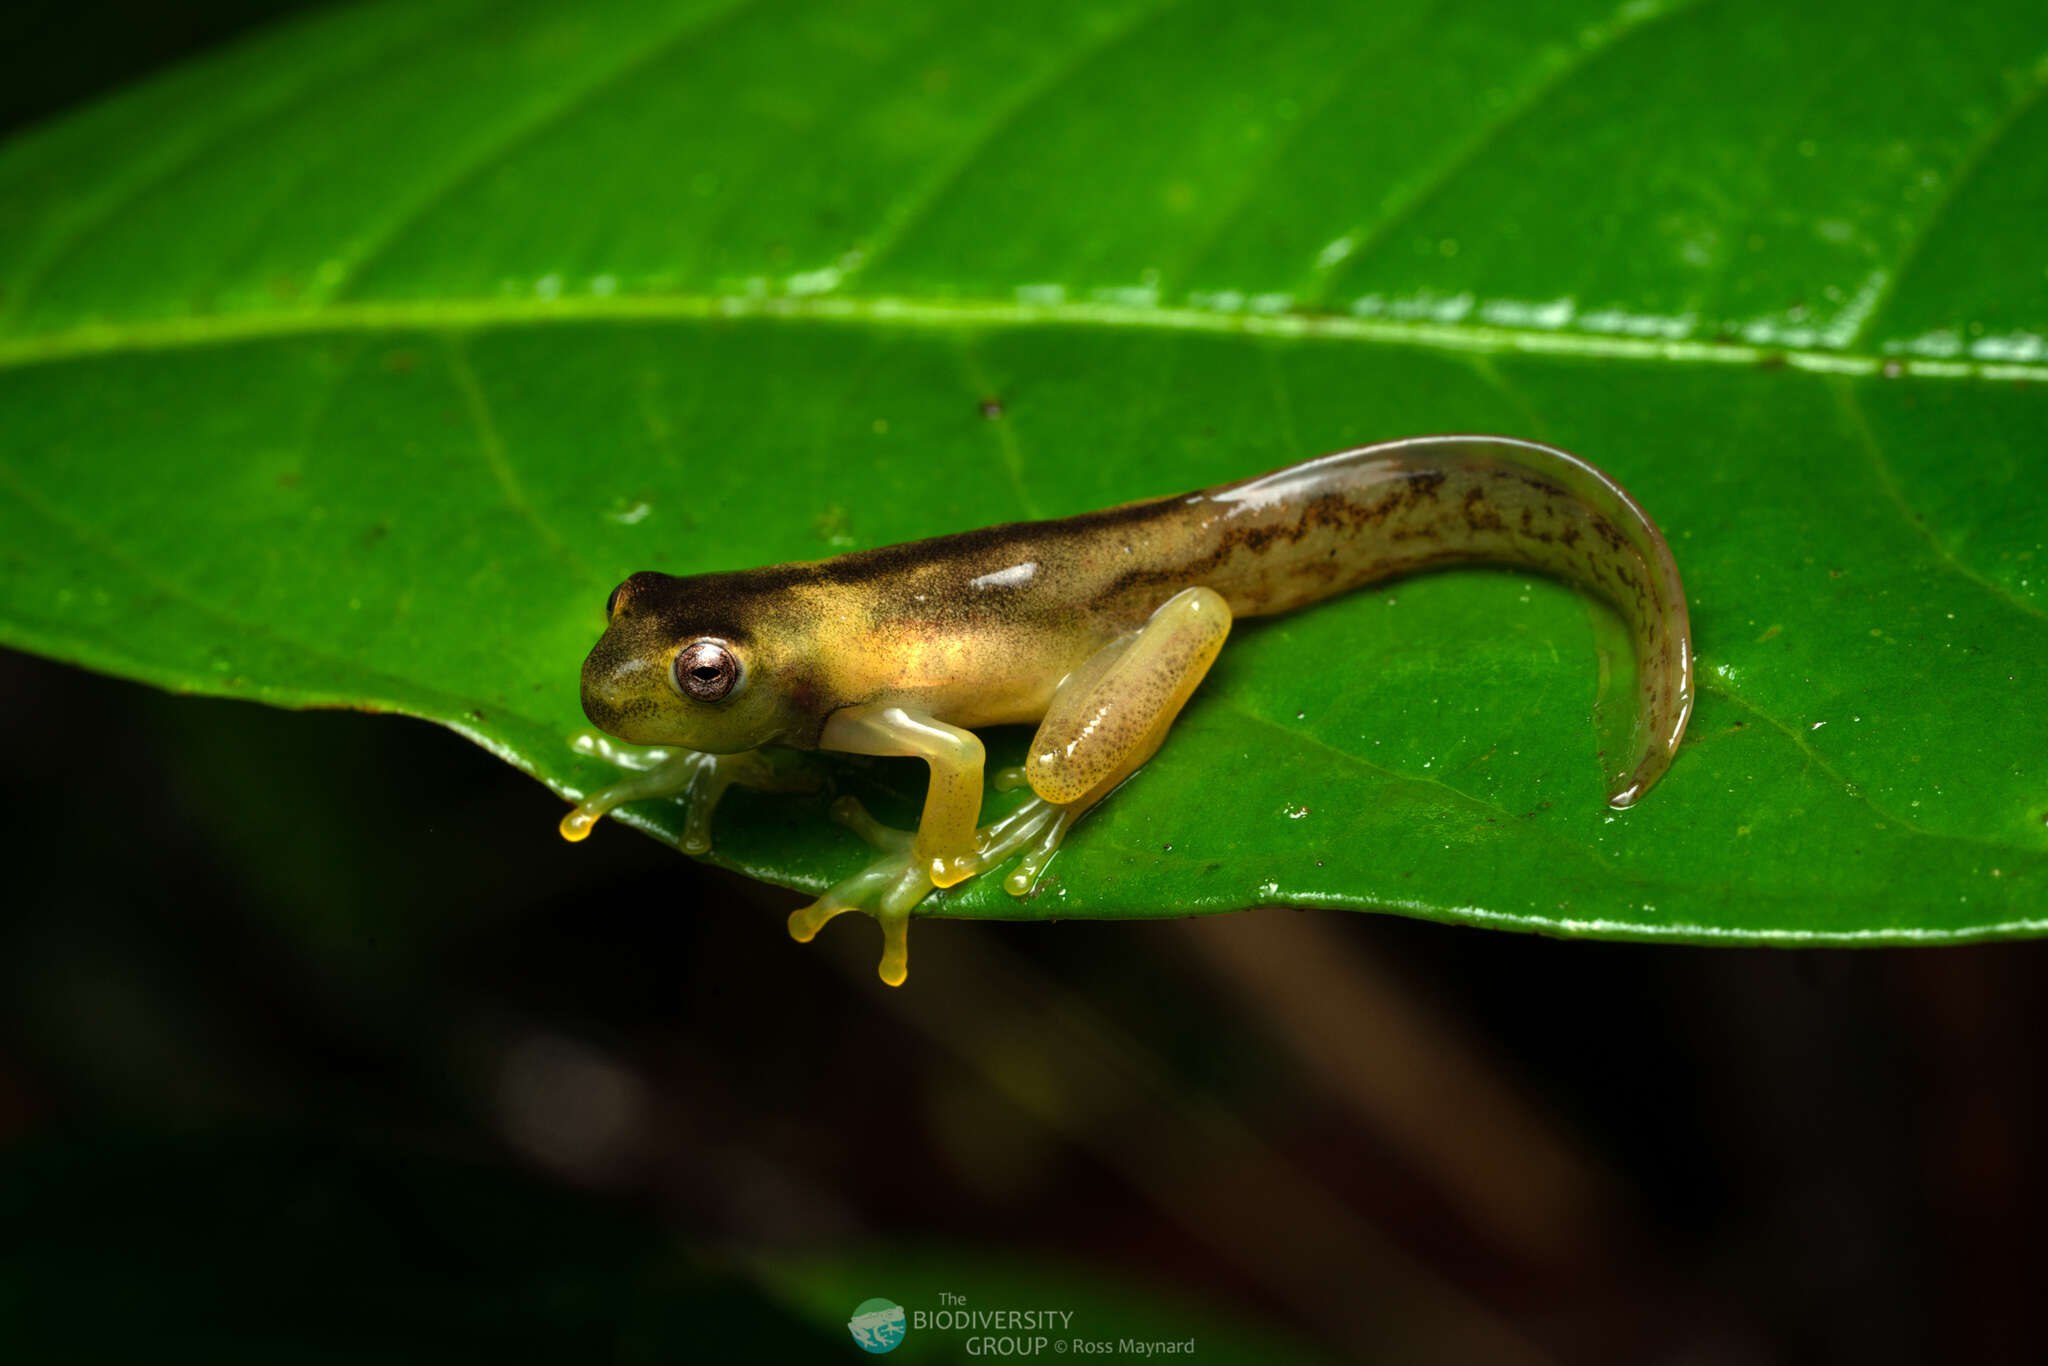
[316, 1044]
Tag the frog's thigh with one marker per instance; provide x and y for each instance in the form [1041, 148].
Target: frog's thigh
[952, 805]
[1112, 714]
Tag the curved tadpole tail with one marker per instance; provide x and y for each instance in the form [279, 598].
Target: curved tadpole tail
[1430, 501]
[1640, 578]
[1567, 517]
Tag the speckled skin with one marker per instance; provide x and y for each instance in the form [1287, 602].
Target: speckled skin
[981, 628]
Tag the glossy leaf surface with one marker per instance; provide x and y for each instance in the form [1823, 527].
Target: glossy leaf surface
[354, 366]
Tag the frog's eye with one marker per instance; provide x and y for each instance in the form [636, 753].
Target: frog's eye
[611, 604]
[707, 670]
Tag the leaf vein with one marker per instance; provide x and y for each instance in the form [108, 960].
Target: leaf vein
[1966, 171]
[1005, 433]
[1851, 789]
[1867, 439]
[918, 204]
[112, 209]
[107, 551]
[1632, 18]
[1320, 105]
[491, 445]
[379, 240]
[483, 314]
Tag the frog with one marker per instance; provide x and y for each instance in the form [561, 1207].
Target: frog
[1096, 628]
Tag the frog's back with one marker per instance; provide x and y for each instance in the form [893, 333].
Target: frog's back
[986, 622]
[1271, 543]
[1058, 590]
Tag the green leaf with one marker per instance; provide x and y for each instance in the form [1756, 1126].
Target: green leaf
[353, 367]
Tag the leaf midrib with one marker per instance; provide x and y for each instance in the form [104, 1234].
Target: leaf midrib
[463, 315]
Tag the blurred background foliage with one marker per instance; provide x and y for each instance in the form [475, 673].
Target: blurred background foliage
[309, 1071]
[317, 1046]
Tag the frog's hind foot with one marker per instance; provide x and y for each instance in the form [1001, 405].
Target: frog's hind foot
[1035, 829]
[1040, 841]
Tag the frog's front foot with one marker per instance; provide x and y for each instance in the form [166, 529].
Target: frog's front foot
[890, 887]
[886, 889]
[700, 779]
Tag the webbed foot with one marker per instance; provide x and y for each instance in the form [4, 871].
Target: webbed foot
[890, 887]
[700, 779]
[886, 889]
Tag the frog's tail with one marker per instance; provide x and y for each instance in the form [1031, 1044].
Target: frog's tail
[1552, 511]
[1336, 523]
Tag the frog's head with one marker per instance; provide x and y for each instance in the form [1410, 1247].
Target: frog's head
[696, 662]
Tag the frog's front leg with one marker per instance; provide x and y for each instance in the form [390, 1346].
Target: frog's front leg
[952, 804]
[701, 779]
[912, 865]
[1105, 721]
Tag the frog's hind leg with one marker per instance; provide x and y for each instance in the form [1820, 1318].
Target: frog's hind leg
[1104, 724]
[1105, 721]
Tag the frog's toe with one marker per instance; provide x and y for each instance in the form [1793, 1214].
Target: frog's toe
[1035, 829]
[890, 887]
[1039, 845]
[656, 773]
[849, 812]
[701, 780]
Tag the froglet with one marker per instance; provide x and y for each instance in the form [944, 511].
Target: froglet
[1096, 627]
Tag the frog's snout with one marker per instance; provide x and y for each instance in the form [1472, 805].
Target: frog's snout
[597, 702]
[614, 690]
